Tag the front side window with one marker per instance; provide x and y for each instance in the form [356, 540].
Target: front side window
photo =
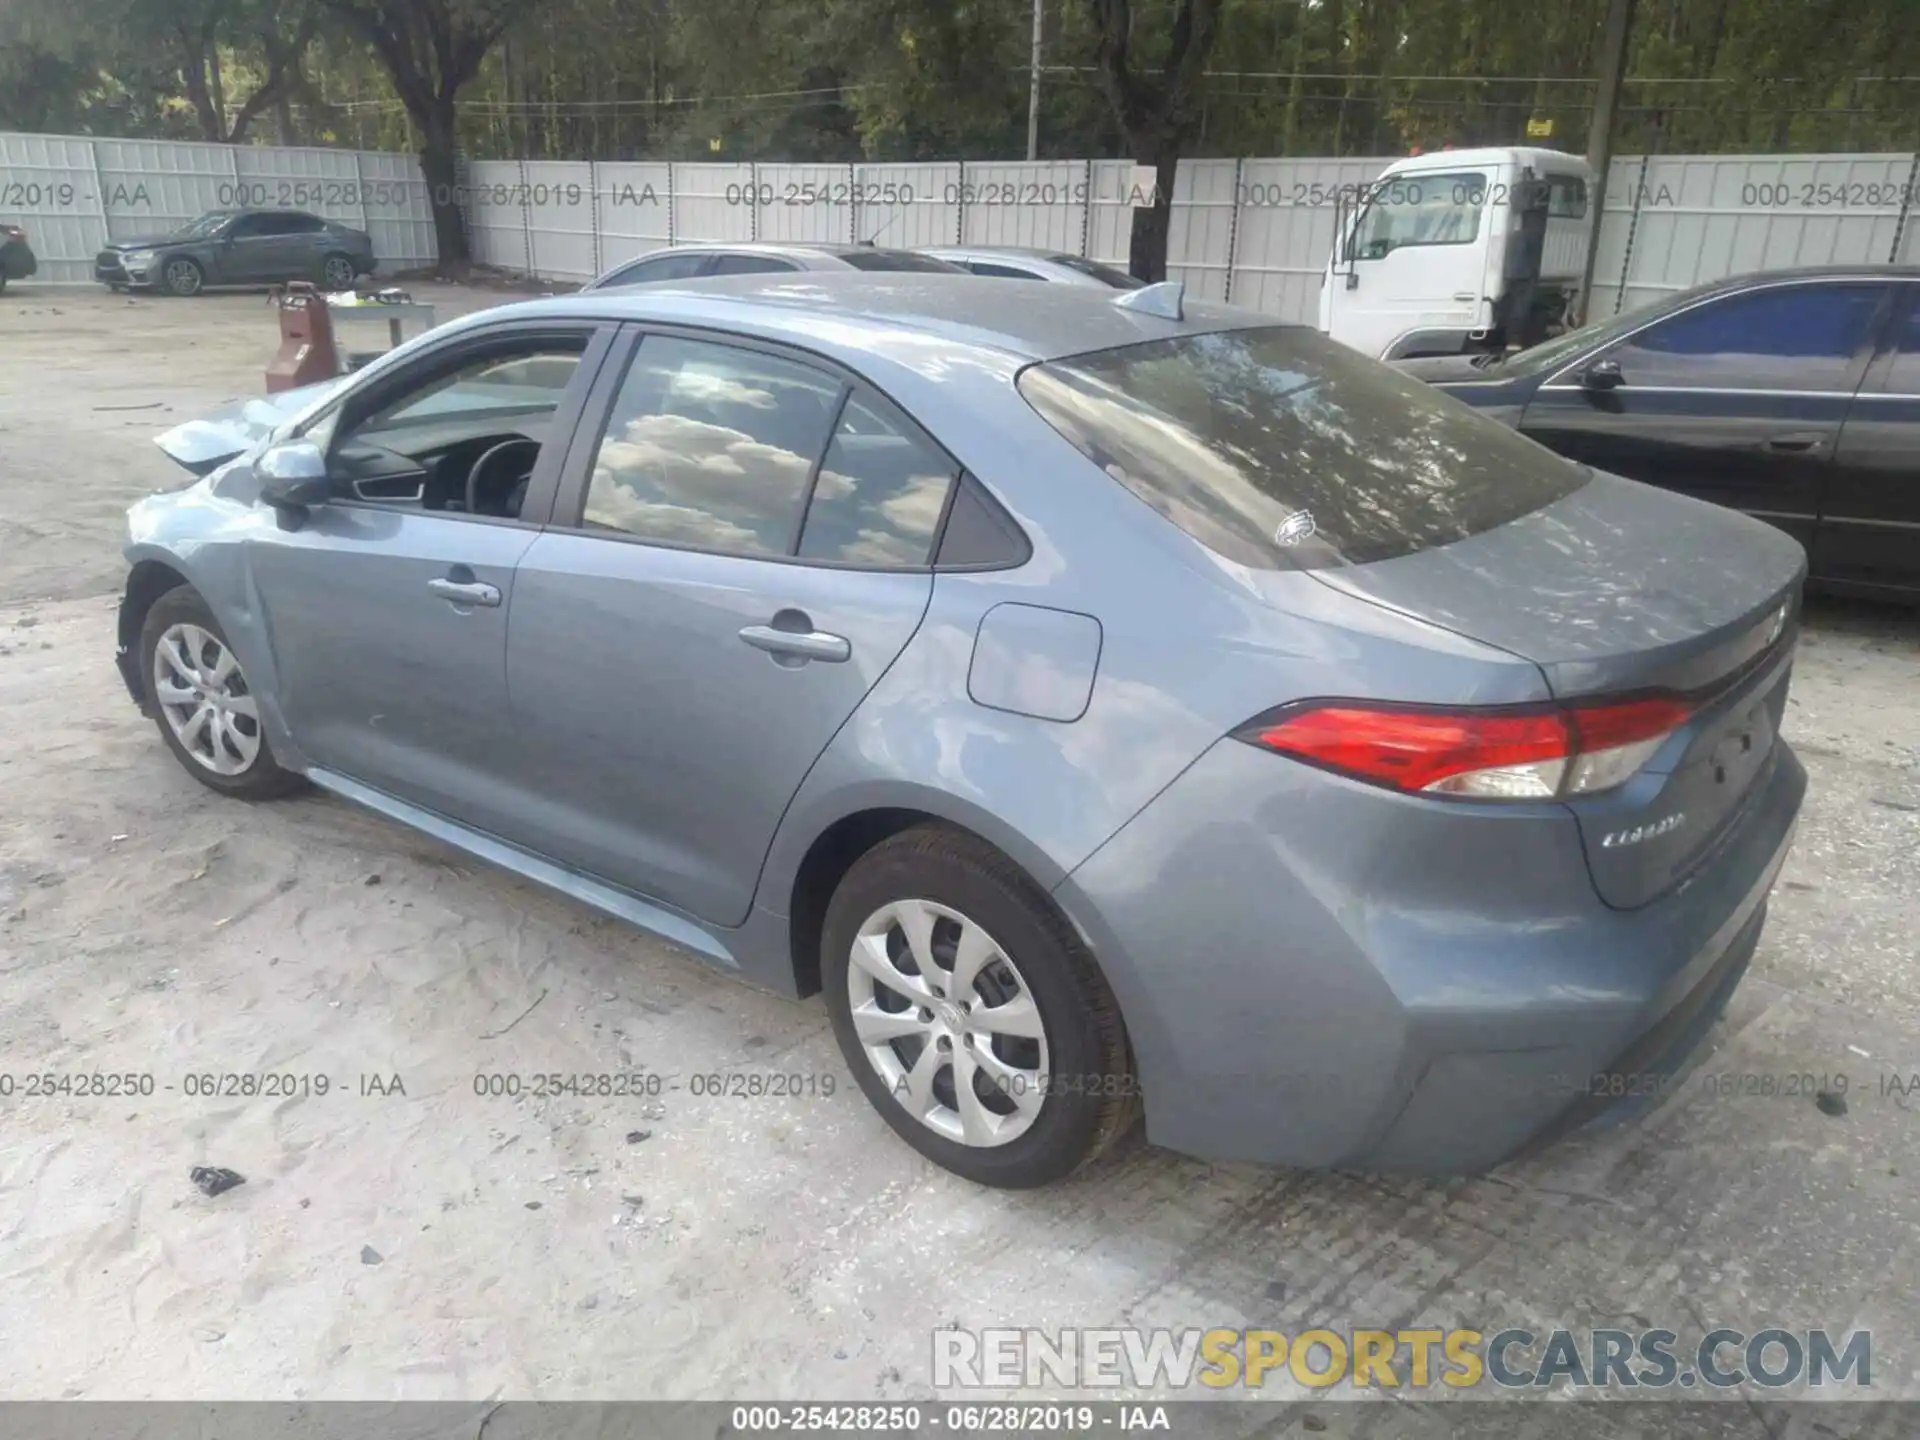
[1421, 210]
[710, 447]
[1802, 337]
[1280, 448]
[880, 492]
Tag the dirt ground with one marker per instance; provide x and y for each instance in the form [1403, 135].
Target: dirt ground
[412, 1239]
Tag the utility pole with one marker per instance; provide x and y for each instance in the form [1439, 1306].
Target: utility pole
[1606, 106]
[1033, 86]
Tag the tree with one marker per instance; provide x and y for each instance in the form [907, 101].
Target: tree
[269, 39]
[1155, 113]
[430, 49]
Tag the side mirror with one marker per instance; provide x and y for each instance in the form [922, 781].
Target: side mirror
[293, 475]
[1603, 375]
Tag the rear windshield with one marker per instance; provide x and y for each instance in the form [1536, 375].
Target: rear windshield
[1279, 448]
[894, 260]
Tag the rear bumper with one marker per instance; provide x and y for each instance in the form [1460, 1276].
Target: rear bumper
[1317, 972]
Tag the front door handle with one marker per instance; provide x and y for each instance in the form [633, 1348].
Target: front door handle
[1797, 442]
[798, 644]
[466, 592]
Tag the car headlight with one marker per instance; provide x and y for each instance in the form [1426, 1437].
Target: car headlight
[137, 257]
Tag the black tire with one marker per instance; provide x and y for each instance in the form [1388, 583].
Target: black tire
[1091, 1099]
[334, 262]
[262, 779]
[3, 282]
[178, 286]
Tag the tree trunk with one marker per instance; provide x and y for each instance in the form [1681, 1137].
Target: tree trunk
[1147, 246]
[437, 166]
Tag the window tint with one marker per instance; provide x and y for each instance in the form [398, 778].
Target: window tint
[999, 272]
[248, 227]
[710, 446]
[1566, 197]
[1903, 377]
[301, 224]
[660, 267]
[1421, 210]
[880, 492]
[1788, 338]
[748, 265]
[1279, 447]
[1105, 274]
[515, 380]
[865, 259]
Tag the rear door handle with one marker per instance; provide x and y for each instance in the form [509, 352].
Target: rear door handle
[1797, 441]
[466, 592]
[800, 644]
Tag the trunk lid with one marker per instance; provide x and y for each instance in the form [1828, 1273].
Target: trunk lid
[1617, 589]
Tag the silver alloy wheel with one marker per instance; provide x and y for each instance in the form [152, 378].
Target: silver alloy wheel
[183, 277]
[205, 699]
[337, 273]
[948, 1022]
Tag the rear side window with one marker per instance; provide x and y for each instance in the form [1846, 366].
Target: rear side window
[999, 272]
[1105, 274]
[879, 494]
[710, 447]
[895, 260]
[1279, 448]
[748, 265]
[659, 267]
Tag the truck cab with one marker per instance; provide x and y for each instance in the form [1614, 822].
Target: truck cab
[1459, 251]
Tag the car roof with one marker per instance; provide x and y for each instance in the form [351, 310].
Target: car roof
[856, 310]
[788, 250]
[1012, 252]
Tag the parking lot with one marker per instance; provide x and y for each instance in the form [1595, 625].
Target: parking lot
[404, 1236]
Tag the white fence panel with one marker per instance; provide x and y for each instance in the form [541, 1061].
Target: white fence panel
[1112, 197]
[496, 216]
[399, 211]
[1702, 217]
[635, 208]
[154, 186]
[1617, 226]
[908, 206]
[1041, 203]
[713, 202]
[1201, 229]
[804, 204]
[561, 236]
[1286, 228]
[49, 188]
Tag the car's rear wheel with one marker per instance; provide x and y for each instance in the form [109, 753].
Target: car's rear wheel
[972, 1017]
[338, 272]
[207, 712]
[182, 276]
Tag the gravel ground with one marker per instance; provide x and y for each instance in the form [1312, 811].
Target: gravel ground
[404, 1238]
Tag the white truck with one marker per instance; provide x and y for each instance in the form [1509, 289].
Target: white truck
[1459, 251]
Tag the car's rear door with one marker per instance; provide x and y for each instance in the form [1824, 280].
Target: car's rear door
[739, 551]
[1738, 400]
[1870, 523]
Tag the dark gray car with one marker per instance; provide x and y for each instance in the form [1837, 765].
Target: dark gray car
[1106, 706]
[239, 247]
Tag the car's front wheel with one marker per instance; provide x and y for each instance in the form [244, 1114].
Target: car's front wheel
[972, 1017]
[182, 276]
[208, 714]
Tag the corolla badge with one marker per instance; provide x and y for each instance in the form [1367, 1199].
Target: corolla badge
[1296, 527]
[1665, 826]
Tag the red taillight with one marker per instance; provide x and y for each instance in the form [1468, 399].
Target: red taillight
[1531, 753]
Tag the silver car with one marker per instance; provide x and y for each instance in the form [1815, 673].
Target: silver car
[1109, 704]
[694, 262]
[1014, 262]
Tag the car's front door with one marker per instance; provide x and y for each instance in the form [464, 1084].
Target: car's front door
[1738, 400]
[1417, 262]
[739, 551]
[246, 253]
[1870, 523]
[387, 607]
